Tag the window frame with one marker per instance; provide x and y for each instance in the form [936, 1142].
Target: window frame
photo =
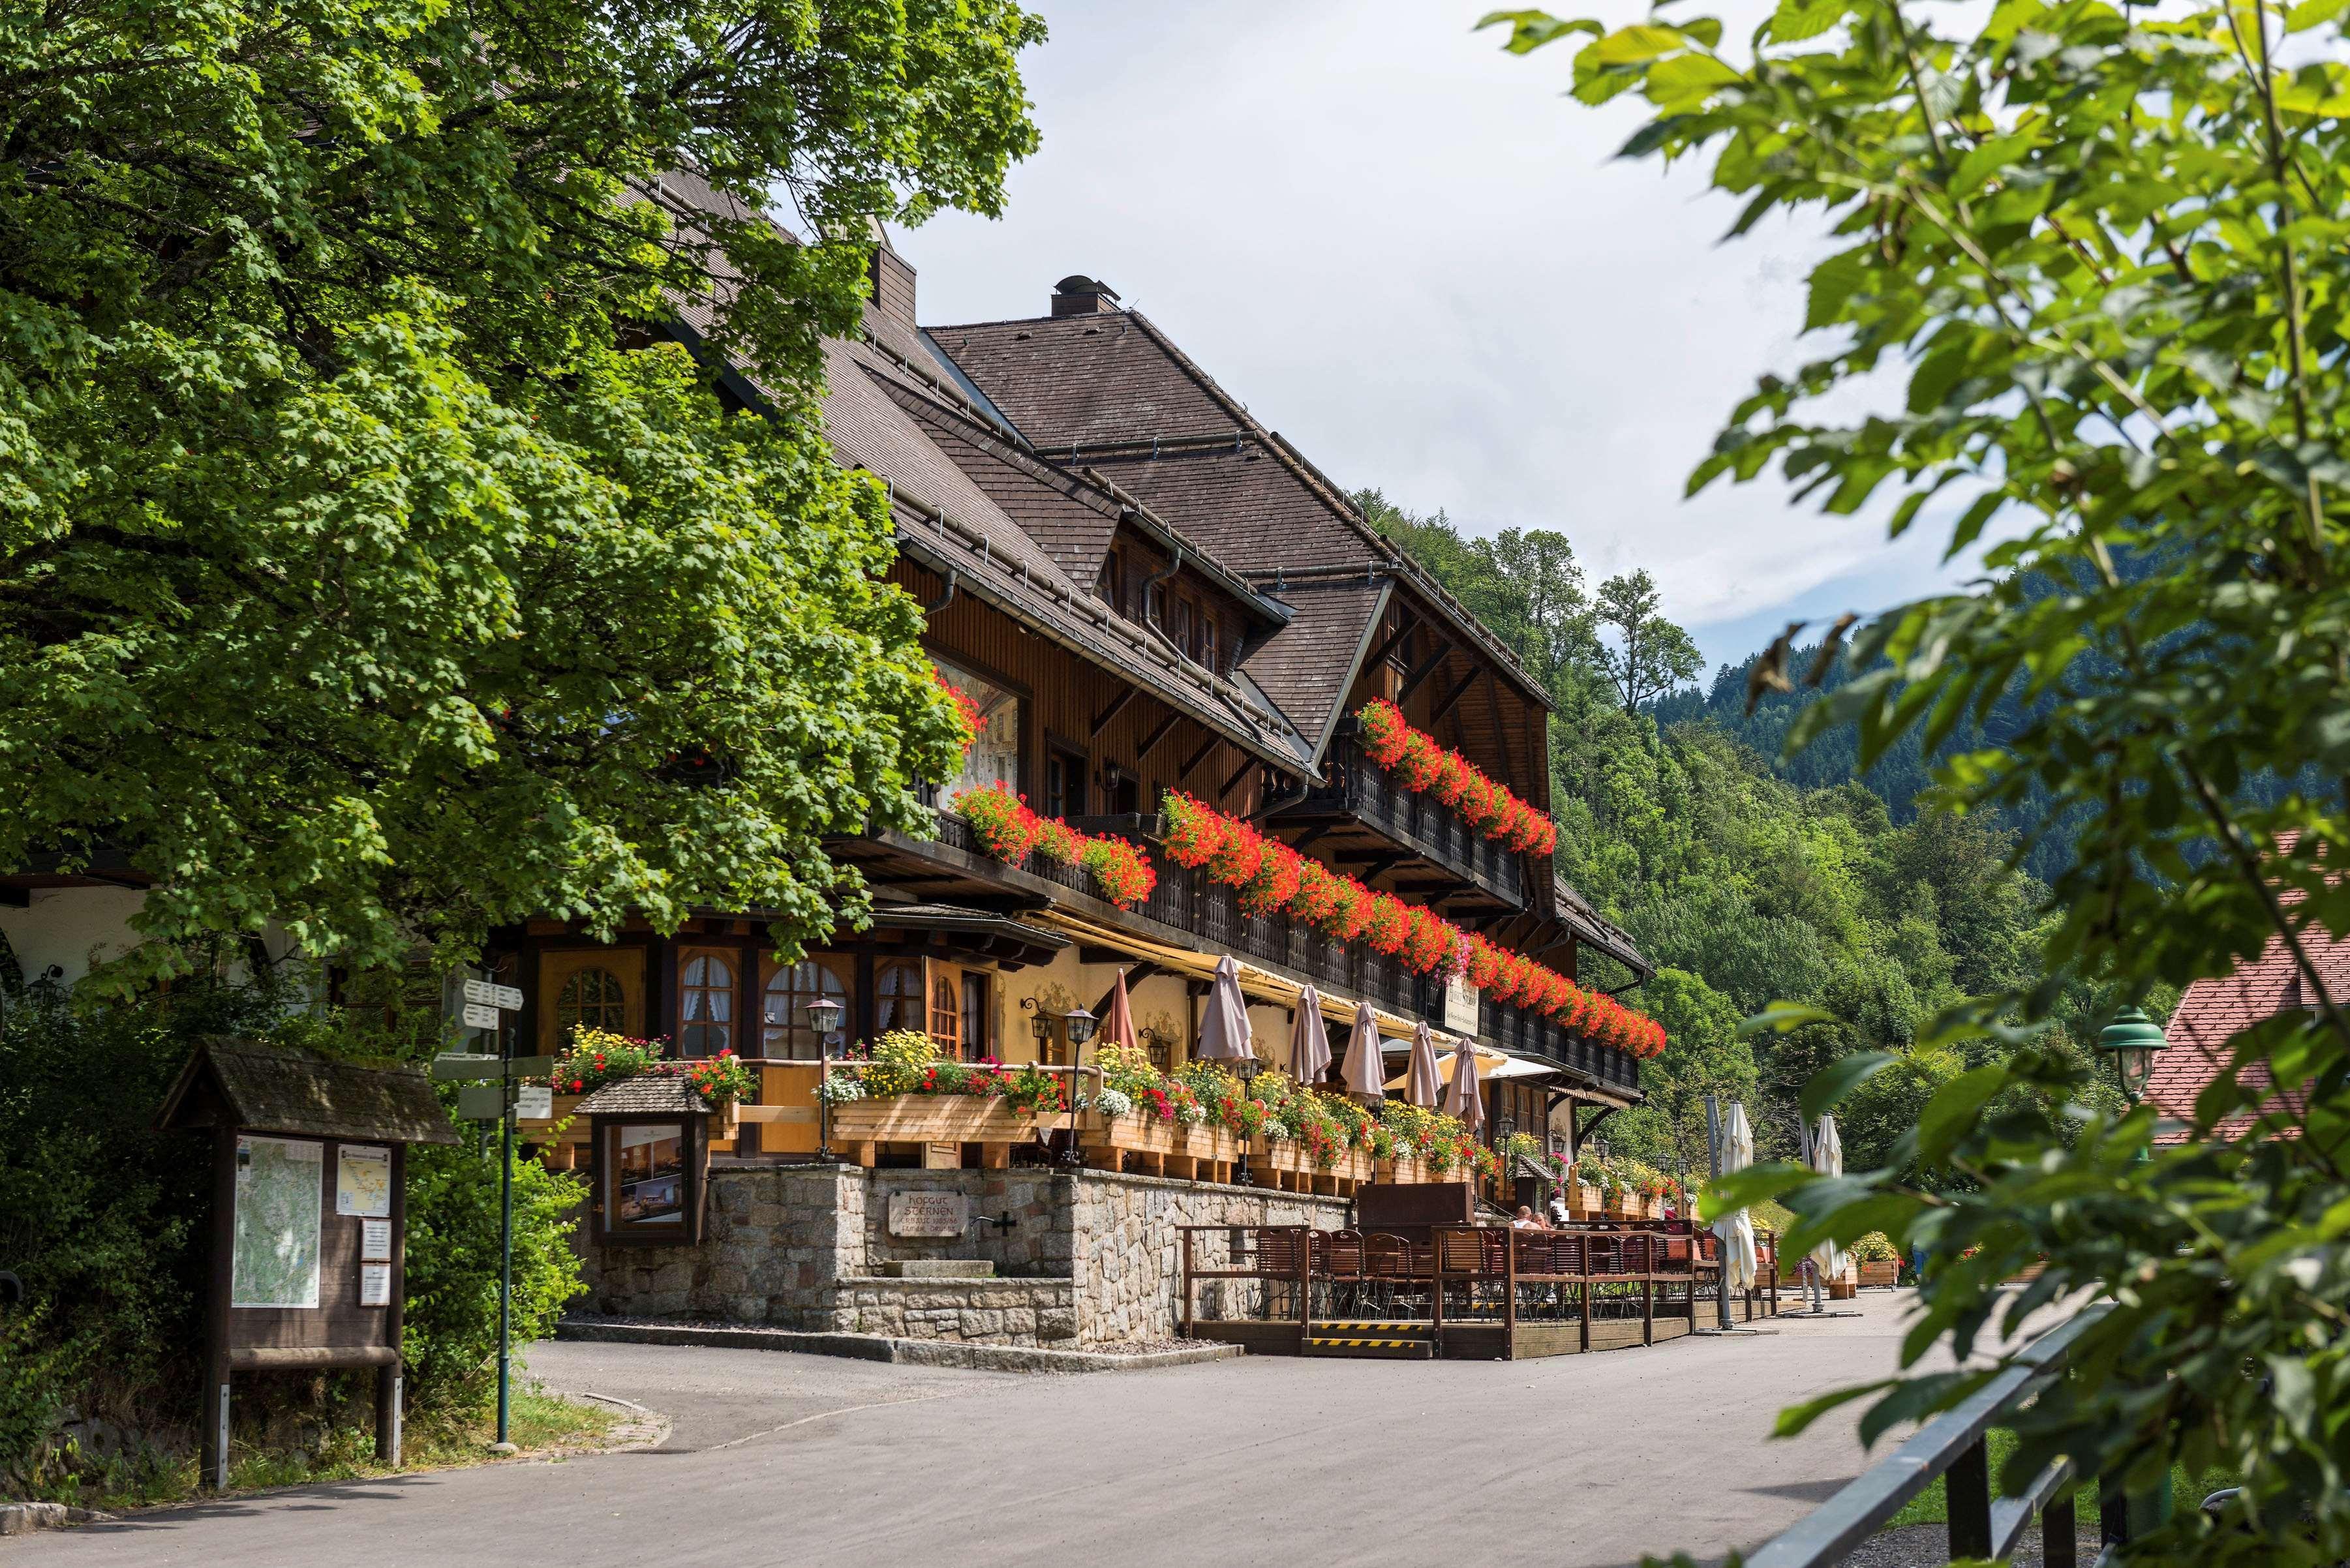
[732, 993]
[840, 973]
[554, 968]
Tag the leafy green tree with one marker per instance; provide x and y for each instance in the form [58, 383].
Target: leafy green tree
[1650, 656]
[2108, 244]
[373, 559]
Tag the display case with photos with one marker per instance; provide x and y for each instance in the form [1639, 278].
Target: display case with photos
[647, 1179]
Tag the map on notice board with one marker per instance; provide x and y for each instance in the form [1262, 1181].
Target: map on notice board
[363, 1180]
[273, 1258]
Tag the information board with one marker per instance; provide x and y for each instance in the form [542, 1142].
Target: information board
[274, 1253]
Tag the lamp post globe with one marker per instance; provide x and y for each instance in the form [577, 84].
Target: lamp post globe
[2131, 1041]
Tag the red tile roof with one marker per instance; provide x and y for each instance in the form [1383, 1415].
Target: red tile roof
[2213, 1012]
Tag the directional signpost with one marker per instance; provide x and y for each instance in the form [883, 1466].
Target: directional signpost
[484, 1007]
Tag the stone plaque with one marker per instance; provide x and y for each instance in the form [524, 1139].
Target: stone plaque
[929, 1214]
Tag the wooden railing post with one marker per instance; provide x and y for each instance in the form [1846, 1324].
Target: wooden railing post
[1509, 1295]
[1436, 1288]
[1590, 1247]
[1187, 1282]
[1304, 1286]
[1967, 1491]
[2058, 1530]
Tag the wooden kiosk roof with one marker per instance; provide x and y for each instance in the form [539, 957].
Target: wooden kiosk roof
[282, 1089]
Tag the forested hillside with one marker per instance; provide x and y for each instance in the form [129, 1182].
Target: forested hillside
[1744, 884]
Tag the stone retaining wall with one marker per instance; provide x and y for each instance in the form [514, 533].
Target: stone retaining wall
[1089, 1259]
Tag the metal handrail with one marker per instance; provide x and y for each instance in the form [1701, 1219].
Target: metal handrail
[1954, 1444]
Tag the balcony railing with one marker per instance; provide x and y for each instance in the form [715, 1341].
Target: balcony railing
[1419, 823]
[1211, 913]
[1529, 1034]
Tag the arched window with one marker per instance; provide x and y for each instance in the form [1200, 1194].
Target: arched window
[897, 995]
[784, 1030]
[590, 999]
[706, 1004]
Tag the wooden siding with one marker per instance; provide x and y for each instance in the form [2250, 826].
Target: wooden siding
[1063, 699]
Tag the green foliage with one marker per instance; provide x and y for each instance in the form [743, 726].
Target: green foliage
[1649, 656]
[366, 566]
[106, 1221]
[2108, 246]
[450, 1335]
[1742, 886]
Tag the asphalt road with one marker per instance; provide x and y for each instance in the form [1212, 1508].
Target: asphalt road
[1582, 1461]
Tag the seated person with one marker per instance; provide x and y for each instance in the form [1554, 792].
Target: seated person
[1525, 1220]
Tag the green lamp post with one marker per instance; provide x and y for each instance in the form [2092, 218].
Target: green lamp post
[2131, 1040]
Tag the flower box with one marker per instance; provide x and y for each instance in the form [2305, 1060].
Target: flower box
[935, 1118]
[1140, 1134]
[1406, 1171]
[1291, 1158]
[1884, 1275]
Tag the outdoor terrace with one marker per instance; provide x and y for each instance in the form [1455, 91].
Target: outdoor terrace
[1464, 1290]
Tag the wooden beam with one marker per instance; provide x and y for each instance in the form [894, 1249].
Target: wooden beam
[1501, 726]
[1150, 742]
[1451, 699]
[1195, 758]
[1116, 706]
[1310, 836]
[1232, 783]
[1426, 668]
[1404, 624]
[1374, 864]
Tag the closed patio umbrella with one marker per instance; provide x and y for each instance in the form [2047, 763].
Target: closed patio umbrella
[1421, 1085]
[1365, 1067]
[1225, 1029]
[1466, 1098]
[1309, 1041]
[1827, 1159]
[1117, 1021]
[1737, 1232]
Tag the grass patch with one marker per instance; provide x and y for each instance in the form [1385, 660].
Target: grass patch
[539, 1422]
[1932, 1506]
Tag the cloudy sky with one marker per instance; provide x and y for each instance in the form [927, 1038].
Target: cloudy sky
[1406, 252]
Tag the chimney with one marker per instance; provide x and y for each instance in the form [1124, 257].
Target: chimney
[1078, 295]
[891, 281]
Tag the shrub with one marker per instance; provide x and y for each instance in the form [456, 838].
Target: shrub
[106, 1222]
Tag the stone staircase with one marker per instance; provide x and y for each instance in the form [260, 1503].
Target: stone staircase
[1385, 1339]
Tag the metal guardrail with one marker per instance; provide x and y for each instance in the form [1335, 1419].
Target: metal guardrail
[1954, 1446]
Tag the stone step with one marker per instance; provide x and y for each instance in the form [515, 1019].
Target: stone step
[1370, 1348]
[939, 1269]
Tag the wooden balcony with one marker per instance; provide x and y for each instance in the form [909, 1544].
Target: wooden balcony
[1374, 826]
[1206, 916]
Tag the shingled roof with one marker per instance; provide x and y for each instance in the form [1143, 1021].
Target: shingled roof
[649, 1095]
[280, 1089]
[2214, 1011]
[1112, 392]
